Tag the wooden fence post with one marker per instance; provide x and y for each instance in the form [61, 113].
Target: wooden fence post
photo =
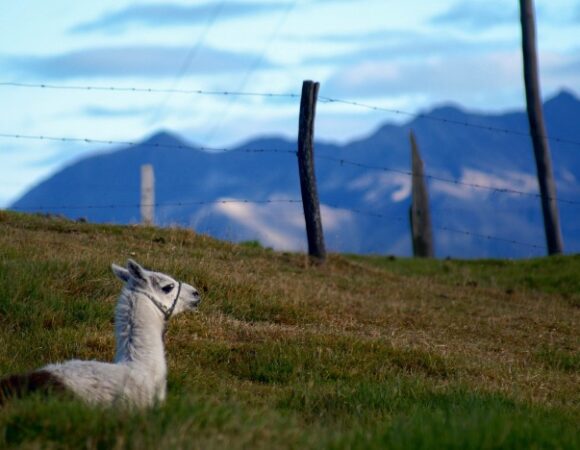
[310, 201]
[420, 215]
[538, 130]
[147, 194]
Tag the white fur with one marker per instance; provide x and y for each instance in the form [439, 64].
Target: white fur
[138, 375]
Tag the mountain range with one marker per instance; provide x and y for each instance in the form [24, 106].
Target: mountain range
[364, 205]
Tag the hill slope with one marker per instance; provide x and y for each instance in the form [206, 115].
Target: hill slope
[472, 155]
[361, 353]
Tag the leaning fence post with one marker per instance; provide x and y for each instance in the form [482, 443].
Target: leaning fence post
[538, 130]
[420, 215]
[310, 201]
[147, 194]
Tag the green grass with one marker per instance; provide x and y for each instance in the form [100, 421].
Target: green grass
[555, 275]
[558, 359]
[364, 352]
[364, 416]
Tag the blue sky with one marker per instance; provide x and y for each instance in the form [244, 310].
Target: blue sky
[410, 55]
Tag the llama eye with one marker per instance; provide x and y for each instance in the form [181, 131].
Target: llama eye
[167, 289]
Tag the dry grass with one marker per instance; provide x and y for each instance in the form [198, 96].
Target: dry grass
[297, 351]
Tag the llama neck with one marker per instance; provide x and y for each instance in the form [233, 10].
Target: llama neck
[139, 332]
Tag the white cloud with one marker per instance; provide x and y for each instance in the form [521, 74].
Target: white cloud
[128, 61]
[438, 77]
[277, 225]
[490, 81]
[478, 15]
[174, 14]
[334, 219]
[377, 186]
[508, 180]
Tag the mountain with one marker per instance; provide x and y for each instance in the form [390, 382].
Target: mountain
[105, 187]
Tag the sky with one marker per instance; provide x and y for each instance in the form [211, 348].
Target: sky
[410, 55]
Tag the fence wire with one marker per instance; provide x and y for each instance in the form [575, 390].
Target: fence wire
[442, 228]
[356, 211]
[323, 99]
[148, 90]
[141, 144]
[341, 161]
[443, 120]
[155, 205]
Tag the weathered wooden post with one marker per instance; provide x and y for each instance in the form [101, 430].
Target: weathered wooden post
[310, 201]
[147, 194]
[420, 215]
[538, 130]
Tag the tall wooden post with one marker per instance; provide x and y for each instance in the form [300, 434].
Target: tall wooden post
[538, 130]
[147, 194]
[420, 215]
[310, 202]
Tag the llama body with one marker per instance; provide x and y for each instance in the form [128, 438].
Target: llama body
[138, 375]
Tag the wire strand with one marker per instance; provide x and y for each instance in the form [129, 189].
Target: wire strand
[322, 99]
[144, 144]
[147, 90]
[341, 161]
[489, 128]
[156, 205]
[189, 58]
[274, 201]
[250, 71]
[442, 228]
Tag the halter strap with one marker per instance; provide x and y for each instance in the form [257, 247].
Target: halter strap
[165, 311]
[170, 310]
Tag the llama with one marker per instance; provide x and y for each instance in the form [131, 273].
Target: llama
[138, 375]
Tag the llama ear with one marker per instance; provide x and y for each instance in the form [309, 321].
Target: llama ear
[135, 270]
[120, 272]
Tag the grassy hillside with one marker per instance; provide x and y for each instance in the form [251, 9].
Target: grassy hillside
[361, 353]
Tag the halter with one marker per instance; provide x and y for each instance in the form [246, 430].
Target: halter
[165, 311]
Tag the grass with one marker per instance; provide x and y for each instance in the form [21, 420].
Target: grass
[556, 275]
[364, 352]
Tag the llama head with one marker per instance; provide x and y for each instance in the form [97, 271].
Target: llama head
[167, 294]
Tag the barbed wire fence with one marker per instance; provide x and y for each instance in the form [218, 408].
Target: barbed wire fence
[292, 95]
[322, 158]
[340, 161]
